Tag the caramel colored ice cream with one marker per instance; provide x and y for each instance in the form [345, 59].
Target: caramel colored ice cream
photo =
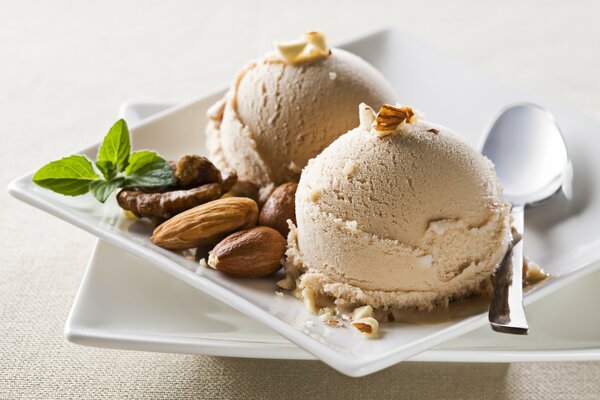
[410, 216]
[281, 111]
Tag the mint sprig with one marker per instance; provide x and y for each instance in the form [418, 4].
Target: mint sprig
[75, 175]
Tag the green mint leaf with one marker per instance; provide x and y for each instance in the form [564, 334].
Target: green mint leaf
[157, 173]
[141, 159]
[107, 168]
[116, 146]
[70, 176]
[102, 188]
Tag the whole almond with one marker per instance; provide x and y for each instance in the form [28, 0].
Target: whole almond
[251, 253]
[279, 207]
[206, 224]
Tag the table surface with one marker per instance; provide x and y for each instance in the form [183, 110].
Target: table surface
[64, 68]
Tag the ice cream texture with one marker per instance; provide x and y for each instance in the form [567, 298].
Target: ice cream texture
[406, 216]
[282, 111]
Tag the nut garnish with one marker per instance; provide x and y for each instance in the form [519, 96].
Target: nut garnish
[251, 253]
[193, 170]
[198, 182]
[368, 326]
[389, 118]
[317, 39]
[287, 283]
[206, 224]
[366, 116]
[314, 195]
[312, 46]
[362, 312]
[291, 50]
[310, 300]
[279, 207]
[167, 204]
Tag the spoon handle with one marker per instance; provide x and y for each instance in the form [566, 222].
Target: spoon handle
[506, 312]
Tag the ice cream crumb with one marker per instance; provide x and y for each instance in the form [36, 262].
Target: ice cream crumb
[332, 76]
[349, 169]
[352, 225]
[426, 261]
[278, 293]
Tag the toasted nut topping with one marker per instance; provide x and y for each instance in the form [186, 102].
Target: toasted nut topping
[317, 39]
[310, 300]
[362, 312]
[389, 118]
[366, 116]
[287, 283]
[369, 326]
[291, 50]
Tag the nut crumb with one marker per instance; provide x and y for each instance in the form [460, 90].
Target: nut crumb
[286, 283]
[278, 293]
[366, 116]
[332, 323]
[349, 169]
[202, 267]
[314, 195]
[433, 130]
[309, 299]
[368, 326]
[361, 312]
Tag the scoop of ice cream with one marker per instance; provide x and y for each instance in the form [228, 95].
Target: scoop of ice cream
[411, 219]
[277, 115]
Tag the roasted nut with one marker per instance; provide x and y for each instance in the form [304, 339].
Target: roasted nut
[167, 204]
[389, 118]
[229, 180]
[279, 207]
[291, 50]
[362, 312]
[251, 253]
[366, 116]
[309, 298]
[244, 189]
[193, 171]
[369, 326]
[206, 224]
[317, 39]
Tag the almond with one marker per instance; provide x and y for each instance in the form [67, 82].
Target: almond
[279, 207]
[251, 253]
[206, 224]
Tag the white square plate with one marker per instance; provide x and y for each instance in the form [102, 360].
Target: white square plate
[561, 235]
[117, 307]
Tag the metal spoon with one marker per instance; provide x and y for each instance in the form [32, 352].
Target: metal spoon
[530, 156]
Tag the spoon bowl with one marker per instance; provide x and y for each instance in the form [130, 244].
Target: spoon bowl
[529, 153]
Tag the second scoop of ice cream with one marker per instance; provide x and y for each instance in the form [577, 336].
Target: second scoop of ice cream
[412, 219]
[276, 116]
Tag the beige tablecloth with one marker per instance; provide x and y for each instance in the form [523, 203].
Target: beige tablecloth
[66, 65]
